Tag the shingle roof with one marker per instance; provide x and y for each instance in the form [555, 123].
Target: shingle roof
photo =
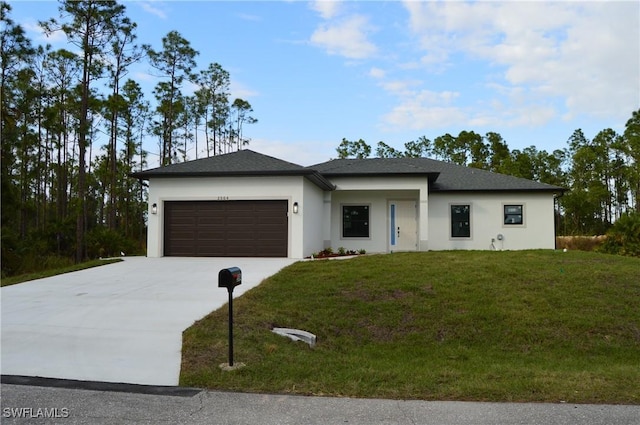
[241, 163]
[442, 176]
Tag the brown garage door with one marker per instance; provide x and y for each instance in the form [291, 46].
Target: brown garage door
[225, 229]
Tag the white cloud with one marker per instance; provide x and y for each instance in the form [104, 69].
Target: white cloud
[30, 26]
[150, 7]
[305, 152]
[326, 8]
[416, 116]
[423, 109]
[403, 88]
[239, 90]
[251, 18]
[585, 54]
[377, 73]
[346, 38]
[145, 76]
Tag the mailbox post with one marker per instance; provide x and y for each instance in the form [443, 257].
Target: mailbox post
[230, 278]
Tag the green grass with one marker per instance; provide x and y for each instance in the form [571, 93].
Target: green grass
[538, 326]
[53, 272]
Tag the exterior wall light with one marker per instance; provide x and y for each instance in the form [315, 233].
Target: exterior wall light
[154, 209]
[295, 208]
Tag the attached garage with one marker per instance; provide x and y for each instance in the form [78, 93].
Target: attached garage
[245, 228]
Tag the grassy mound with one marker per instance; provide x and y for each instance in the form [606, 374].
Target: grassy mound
[500, 326]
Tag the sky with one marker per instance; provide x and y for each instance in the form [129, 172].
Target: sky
[393, 71]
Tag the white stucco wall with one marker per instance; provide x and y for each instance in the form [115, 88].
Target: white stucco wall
[293, 189]
[487, 212]
[312, 212]
[376, 192]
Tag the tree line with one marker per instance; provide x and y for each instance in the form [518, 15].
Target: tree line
[602, 174]
[72, 125]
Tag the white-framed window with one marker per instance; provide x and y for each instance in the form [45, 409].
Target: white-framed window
[513, 215]
[355, 221]
[460, 220]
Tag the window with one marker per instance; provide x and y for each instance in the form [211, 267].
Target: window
[355, 221]
[460, 221]
[513, 215]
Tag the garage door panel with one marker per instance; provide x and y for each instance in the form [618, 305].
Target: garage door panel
[269, 224]
[205, 236]
[184, 221]
[182, 236]
[271, 234]
[216, 214]
[211, 250]
[226, 228]
[241, 235]
[213, 222]
[182, 249]
[242, 221]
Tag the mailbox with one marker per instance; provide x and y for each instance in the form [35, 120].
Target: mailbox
[229, 278]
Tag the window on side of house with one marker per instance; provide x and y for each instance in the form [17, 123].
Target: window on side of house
[355, 221]
[513, 215]
[461, 221]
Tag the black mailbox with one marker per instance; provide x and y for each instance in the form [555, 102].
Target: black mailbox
[229, 278]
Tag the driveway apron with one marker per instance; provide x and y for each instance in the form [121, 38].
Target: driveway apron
[121, 322]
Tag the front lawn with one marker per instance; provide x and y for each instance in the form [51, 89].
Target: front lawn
[489, 326]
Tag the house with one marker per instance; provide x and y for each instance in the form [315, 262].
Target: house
[246, 204]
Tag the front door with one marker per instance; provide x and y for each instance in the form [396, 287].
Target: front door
[403, 226]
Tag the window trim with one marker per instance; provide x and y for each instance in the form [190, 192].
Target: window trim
[522, 205]
[458, 238]
[342, 207]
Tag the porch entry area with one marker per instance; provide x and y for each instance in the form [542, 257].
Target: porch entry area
[403, 225]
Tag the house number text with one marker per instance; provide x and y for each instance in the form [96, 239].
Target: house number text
[223, 198]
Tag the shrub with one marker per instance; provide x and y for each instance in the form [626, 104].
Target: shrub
[9, 257]
[102, 242]
[34, 253]
[580, 243]
[341, 251]
[624, 237]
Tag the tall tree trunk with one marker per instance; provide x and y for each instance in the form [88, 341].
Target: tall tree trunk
[82, 150]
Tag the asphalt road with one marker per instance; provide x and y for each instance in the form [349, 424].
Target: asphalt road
[171, 405]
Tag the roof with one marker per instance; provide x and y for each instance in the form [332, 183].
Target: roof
[236, 164]
[378, 167]
[442, 176]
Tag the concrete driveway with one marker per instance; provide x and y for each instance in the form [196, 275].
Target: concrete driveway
[121, 322]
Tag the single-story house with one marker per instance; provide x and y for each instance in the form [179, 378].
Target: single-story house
[246, 204]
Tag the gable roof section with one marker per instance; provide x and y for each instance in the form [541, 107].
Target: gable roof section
[443, 176]
[236, 164]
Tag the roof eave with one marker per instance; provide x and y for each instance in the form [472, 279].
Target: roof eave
[560, 190]
[313, 176]
[431, 176]
[145, 175]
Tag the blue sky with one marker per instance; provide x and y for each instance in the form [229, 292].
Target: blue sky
[317, 72]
